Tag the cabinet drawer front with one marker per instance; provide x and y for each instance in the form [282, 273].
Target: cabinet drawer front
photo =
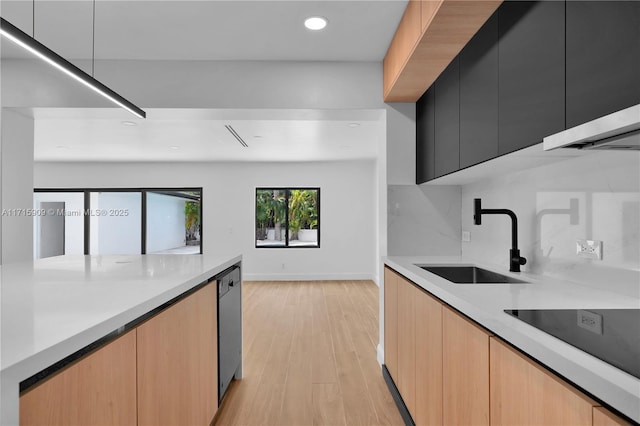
[99, 389]
[524, 393]
[465, 371]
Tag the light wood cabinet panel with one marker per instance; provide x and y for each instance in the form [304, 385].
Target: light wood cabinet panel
[410, 67]
[177, 362]
[428, 9]
[524, 393]
[99, 389]
[391, 322]
[428, 331]
[604, 417]
[407, 294]
[465, 371]
[404, 41]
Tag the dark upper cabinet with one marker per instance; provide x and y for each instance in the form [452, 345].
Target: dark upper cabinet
[479, 96]
[603, 58]
[531, 72]
[447, 120]
[425, 137]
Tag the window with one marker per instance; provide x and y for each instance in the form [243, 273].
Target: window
[117, 221]
[287, 217]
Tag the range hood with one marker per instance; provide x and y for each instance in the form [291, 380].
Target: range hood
[617, 131]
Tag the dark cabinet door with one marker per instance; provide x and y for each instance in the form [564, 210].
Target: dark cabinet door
[425, 137]
[603, 58]
[531, 72]
[479, 96]
[447, 120]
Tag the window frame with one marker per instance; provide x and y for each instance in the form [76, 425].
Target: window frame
[287, 190]
[143, 196]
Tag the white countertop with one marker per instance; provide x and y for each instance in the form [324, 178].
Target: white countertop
[485, 303]
[53, 307]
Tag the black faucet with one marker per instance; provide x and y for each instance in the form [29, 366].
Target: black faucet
[515, 260]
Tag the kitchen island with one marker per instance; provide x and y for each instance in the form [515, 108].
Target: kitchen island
[484, 305]
[54, 308]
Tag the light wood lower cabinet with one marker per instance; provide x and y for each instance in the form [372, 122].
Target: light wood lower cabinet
[603, 417]
[465, 371]
[428, 345]
[450, 371]
[391, 322]
[406, 382]
[99, 389]
[413, 347]
[163, 372]
[524, 393]
[177, 363]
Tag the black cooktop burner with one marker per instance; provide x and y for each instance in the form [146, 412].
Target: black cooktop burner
[612, 335]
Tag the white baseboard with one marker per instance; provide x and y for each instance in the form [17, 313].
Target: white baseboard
[380, 351]
[305, 277]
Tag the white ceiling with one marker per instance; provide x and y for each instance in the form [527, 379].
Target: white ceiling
[358, 30]
[200, 135]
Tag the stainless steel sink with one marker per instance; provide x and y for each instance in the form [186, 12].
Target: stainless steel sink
[470, 275]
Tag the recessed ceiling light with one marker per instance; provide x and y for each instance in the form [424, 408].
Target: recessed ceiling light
[174, 147]
[257, 136]
[129, 123]
[315, 23]
[61, 147]
[354, 124]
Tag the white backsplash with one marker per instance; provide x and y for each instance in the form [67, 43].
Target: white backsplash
[594, 197]
[423, 220]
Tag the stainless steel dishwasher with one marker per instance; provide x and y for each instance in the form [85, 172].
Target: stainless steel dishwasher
[229, 328]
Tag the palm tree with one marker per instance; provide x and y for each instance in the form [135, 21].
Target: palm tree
[270, 212]
[303, 210]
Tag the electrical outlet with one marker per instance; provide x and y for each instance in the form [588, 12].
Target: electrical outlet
[466, 236]
[283, 266]
[590, 321]
[589, 249]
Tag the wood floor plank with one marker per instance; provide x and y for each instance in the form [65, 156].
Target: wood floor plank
[266, 405]
[358, 406]
[297, 409]
[309, 357]
[327, 405]
[323, 365]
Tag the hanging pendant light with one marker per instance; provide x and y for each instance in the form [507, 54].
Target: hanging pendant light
[11, 32]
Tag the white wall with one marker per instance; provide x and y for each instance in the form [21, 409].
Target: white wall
[348, 220]
[401, 144]
[165, 222]
[592, 197]
[17, 186]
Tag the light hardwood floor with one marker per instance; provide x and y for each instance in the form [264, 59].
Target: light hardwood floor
[310, 357]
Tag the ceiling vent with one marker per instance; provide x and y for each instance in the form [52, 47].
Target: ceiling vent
[236, 135]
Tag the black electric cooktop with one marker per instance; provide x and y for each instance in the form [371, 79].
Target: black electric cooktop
[612, 335]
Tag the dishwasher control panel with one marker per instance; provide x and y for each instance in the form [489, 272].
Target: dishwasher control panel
[228, 281]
